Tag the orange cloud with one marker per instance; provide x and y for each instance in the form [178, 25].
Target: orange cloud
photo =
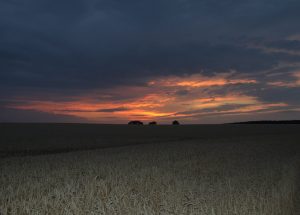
[197, 81]
[141, 108]
[257, 107]
[158, 100]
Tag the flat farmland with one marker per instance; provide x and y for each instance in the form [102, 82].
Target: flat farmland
[120, 169]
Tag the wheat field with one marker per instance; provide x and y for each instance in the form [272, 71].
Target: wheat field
[256, 175]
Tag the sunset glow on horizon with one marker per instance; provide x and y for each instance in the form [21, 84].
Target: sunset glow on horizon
[160, 100]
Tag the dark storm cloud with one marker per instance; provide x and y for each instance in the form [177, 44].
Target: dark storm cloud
[84, 44]
[14, 115]
[110, 110]
[279, 94]
[106, 110]
[292, 45]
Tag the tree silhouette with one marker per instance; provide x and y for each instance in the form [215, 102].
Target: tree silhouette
[175, 122]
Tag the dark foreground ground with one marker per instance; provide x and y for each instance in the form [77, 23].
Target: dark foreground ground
[34, 139]
[120, 169]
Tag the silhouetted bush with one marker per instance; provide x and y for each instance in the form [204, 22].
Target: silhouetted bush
[135, 122]
[175, 122]
[153, 123]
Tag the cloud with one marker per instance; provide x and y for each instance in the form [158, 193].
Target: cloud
[291, 45]
[111, 110]
[288, 84]
[198, 81]
[108, 110]
[18, 115]
[100, 44]
[160, 100]
[102, 55]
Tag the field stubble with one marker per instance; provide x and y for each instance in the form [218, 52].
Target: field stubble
[226, 176]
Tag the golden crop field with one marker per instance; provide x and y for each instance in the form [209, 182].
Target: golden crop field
[253, 172]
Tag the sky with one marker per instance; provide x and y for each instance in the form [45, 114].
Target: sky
[111, 61]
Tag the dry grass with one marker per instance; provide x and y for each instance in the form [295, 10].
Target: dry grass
[227, 176]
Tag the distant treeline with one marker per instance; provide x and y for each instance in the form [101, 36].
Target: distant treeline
[269, 122]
